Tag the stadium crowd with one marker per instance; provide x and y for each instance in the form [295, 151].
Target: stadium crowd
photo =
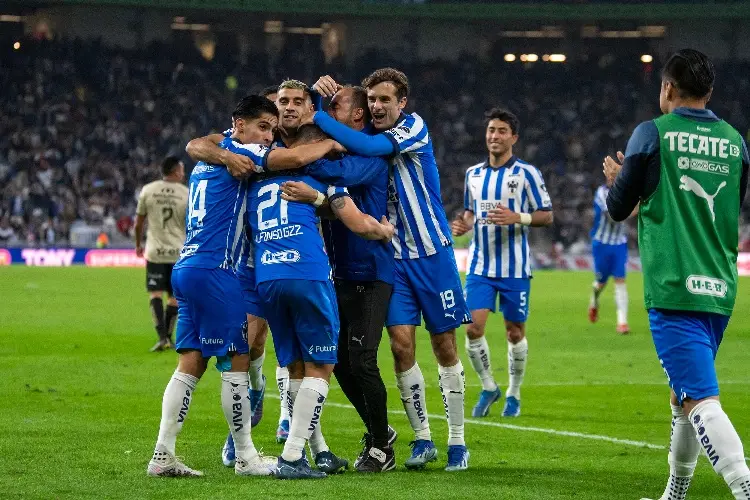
[85, 126]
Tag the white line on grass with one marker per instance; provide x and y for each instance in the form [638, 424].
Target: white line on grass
[580, 435]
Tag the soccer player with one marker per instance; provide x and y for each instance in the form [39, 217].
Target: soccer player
[299, 301]
[426, 279]
[211, 313]
[163, 203]
[294, 103]
[689, 170]
[609, 246]
[503, 197]
[363, 272]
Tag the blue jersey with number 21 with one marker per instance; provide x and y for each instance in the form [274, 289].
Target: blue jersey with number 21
[287, 242]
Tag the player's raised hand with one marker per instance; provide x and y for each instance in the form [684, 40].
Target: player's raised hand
[612, 167]
[388, 229]
[326, 86]
[459, 227]
[238, 165]
[503, 216]
[298, 191]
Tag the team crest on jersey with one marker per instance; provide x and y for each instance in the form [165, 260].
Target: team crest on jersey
[405, 129]
[512, 186]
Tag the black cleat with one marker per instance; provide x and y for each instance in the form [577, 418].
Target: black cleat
[377, 460]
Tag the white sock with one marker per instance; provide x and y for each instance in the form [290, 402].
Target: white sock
[683, 456]
[308, 406]
[411, 385]
[256, 372]
[282, 382]
[722, 445]
[596, 290]
[452, 382]
[621, 301]
[317, 441]
[479, 355]
[236, 405]
[174, 408]
[517, 355]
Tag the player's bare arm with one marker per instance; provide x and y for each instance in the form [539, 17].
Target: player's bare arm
[359, 223]
[300, 156]
[207, 149]
[304, 193]
[139, 223]
[504, 216]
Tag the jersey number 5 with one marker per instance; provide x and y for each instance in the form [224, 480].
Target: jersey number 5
[197, 196]
[276, 214]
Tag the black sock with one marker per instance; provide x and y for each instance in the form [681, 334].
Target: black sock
[157, 313]
[170, 319]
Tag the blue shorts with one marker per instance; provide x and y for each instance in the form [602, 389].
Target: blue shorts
[609, 260]
[686, 343]
[482, 293]
[428, 286]
[304, 319]
[253, 304]
[211, 316]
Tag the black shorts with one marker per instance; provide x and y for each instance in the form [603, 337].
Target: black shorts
[159, 277]
[363, 308]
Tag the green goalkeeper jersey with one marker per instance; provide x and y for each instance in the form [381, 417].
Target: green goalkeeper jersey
[689, 227]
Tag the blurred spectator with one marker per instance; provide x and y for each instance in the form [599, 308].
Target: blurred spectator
[85, 126]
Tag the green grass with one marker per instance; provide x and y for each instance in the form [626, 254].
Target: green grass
[80, 403]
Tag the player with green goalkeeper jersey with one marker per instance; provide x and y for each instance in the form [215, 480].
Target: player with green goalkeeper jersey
[688, 169]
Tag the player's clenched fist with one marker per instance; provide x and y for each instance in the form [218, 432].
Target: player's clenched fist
[326, 86]
[459, 227]
[503, 216]
[387, 228]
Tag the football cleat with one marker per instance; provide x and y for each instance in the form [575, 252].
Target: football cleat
[259, 465]
[329, 463]
[227, 452]
[299, 469]
[486, 399]
[164, 464]
[512, 407]
[256, 404]
[458, 458]
[423, 451]
[377, 460]
[282, 431]
[623, 329]
[366, 441]
[593, 314]
[161, 345]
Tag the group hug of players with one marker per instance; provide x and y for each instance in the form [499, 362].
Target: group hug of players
[254, 255]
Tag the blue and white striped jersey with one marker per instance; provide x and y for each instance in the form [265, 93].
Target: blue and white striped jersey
[606, 230]
[414, 204]
[502, 251]
[214, 219]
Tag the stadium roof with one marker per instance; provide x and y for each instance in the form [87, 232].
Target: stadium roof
[600, 10]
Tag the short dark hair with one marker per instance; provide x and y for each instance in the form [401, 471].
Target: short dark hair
[309, 133]
[359, 100]
[691, 72]
[169, 165]
[294, 85]
[271, 89]
[503, 115]
[392, 75]
[253, 106]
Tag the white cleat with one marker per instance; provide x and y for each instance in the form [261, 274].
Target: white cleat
[259, 465]
[164, 464]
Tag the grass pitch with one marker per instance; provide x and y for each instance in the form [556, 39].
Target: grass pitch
[80, 403]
